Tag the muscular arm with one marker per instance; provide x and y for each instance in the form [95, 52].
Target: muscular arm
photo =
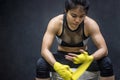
[48, 40]
[98, 40]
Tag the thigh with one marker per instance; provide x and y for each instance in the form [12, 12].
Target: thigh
[60, 57]
[93, 67]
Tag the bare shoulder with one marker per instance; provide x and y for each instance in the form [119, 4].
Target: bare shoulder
[91, 25]
[55, 23]
[57, 20]
[89, 21]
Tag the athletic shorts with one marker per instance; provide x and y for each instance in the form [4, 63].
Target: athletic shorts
[103, 65]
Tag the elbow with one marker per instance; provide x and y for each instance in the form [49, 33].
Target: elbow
[106, 52]
[44, 51]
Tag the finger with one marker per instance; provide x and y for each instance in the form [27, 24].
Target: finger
[69, 57]
[82, 51]
[72, 54]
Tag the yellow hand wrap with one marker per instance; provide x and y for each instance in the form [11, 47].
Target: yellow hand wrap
[82, 68]
[79, 59]
[63, 70]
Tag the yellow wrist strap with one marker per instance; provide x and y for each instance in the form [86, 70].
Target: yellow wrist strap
[81, 69]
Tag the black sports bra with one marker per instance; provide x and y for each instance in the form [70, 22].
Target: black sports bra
[72, 38]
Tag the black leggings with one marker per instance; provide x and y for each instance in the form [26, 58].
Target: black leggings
[103, 65]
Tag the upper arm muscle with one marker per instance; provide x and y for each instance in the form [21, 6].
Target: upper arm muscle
[96, 35]
[49, 35]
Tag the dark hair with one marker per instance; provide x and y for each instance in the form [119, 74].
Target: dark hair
[70, 4]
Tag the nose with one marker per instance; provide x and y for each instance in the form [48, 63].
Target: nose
[77, 20]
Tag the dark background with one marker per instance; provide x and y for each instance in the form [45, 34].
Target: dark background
[23, 23]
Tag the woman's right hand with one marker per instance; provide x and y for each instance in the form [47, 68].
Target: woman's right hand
[63, 70]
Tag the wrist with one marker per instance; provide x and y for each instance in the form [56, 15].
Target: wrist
[91, 57]
[53, 62]
[57, 65]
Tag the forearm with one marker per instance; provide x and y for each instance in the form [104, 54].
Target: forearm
[48, 56]
[100, 53]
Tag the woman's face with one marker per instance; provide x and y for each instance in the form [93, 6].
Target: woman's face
[75, 16]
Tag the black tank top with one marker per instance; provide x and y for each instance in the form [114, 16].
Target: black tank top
[72, 38]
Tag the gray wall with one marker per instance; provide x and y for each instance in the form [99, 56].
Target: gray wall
[23, 23]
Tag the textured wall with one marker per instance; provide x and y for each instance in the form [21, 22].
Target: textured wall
[23, 23]
[106, 13]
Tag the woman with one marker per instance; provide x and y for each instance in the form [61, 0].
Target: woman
[72, 30]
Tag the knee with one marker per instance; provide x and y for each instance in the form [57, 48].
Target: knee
[42, 69]
[106, 67]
